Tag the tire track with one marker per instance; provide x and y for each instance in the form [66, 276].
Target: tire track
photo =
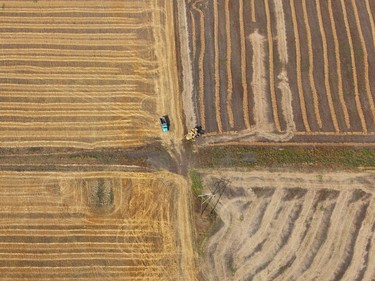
[326, 67]
[229, 65]
[299, 71]
[245, 104]
[217, 72]
[338, 65]
[271, 68]
[311, 66]
[201, 63]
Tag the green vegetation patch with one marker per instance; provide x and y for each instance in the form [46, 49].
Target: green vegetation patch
[196, 182]
[322, 157]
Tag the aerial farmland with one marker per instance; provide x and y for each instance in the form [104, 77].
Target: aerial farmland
[187, 140]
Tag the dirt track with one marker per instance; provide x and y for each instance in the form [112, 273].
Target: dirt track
[292, 226]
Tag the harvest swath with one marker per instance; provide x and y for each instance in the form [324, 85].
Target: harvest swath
[83, 74]
[93, 226]
[291, 71]
[293, 226]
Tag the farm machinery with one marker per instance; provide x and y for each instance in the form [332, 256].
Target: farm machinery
[194, 133]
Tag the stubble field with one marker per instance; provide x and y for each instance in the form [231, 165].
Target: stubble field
[295, 72]
[292, 226]
[84, 74]
[94, 226]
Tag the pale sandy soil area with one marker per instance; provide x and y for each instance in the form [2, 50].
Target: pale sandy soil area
[292, 226]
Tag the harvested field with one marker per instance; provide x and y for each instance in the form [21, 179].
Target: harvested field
[85, 73]
[283, 71]
[94, 226]
[292, 226]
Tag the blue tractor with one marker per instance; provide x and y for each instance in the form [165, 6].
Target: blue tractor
[164, 122]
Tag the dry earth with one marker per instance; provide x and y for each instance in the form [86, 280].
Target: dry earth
[86, 74]
[292, 226]
[94, 226]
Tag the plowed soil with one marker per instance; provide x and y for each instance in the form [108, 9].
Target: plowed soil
[283, 71]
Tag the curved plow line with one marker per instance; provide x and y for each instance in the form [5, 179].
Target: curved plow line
[193, 34]
[362, 248]
[245, 103]
[365, 59]
[70, 105]
[68, 76]
[78, 254]
[311, 66]
[57, 58]
[271, 67]
[217, 73]
[305, 249]
[371, 21]
[229, 64]
[47, 125]
[67, 22]
[38, 12]
[92, 26]
[63, 133]
[295, 238]
[66, 89]
[69, 36]
[299, 71]
[371, 265]
[253, 16]
[98, 53]
[326, 68]
[336, 252]
[261, 233]
[77, 144]
[354, 67]
[61, 94]
[84, 70]
[70, 112]
[281, 33]
[201, 64]
[338, 63]
[334, 230]
[268, 252]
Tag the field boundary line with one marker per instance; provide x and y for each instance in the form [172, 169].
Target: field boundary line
[271, 67]
[335, 133]
[229, 65]
[354, 68]
[311, 65]
[326, 67]
[365, 59]
[338, 66]
[298, 62]
[306, 144]
[245, 96]
[201, 64]
[217, 62]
